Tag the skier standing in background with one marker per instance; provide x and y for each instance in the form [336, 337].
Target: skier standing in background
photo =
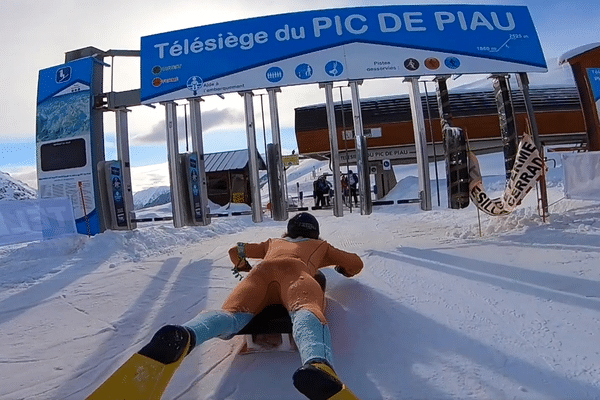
[353, 183]
[322, 191]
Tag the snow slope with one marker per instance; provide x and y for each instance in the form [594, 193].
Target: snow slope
[444, 309]
[151, 197]
[13, 189]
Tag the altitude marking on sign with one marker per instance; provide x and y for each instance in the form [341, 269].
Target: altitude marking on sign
[505, 44]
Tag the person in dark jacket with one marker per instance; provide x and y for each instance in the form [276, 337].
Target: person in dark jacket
[322, 189]
[353, 185]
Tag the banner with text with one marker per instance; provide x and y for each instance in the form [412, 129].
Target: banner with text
[338, 44]
[31, 220]
[524, 175]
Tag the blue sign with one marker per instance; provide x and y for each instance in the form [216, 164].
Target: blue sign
[338, 44]
[304, 71]
[594, 77]
[63, 75]
[334, 68]
[274, 74]
[64, 79]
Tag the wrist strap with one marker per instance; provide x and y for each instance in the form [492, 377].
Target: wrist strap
[241, 248]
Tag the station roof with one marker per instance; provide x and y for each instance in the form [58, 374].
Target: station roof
[229, 161]
[577, 52]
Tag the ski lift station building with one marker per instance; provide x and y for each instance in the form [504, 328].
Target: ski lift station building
[389, 129]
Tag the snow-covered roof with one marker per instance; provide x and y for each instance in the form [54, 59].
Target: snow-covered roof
[577, 51]
[557, 76]
[228, 161]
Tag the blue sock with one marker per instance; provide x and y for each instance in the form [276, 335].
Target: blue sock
[221, 324]
[312, 337]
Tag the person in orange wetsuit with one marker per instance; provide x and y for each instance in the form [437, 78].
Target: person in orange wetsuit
[286, 275]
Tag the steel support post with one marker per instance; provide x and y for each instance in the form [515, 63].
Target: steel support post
[338, 206]
[508, 127]
[523, 81]
[252, 157]
[280, 206]
[420, 143]
[173, 161]
[198, 148]
[362, 155]
[122, 137]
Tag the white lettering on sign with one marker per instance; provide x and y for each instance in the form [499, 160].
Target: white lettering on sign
[349, 23]
[526, 171]
[477, 20]
[389, 22]
[245, 41]
[411, 21]
[354, 24]
[29, 220]
[382, 154]
[285, 33]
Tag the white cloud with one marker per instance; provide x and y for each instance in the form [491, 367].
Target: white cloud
[211, 120]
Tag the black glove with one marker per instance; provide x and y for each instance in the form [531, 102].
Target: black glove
[342, 271]
[243, 265]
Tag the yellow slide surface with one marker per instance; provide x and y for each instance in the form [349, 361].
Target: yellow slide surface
[144, 376]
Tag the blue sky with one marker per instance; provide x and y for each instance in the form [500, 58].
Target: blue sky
[37, 34]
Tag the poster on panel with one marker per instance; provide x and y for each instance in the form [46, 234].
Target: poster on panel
[594, 77]
[64, 139]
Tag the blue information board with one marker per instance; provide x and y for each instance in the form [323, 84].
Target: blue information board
[594, 77]
[64, 139]
[338, 44]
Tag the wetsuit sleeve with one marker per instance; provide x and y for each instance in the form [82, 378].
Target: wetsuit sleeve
[251, 250]
[350, 263]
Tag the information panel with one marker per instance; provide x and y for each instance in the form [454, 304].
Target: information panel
[193, 183]
[115, 177]
[338, 44]
[594, 77]
[64, 139]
